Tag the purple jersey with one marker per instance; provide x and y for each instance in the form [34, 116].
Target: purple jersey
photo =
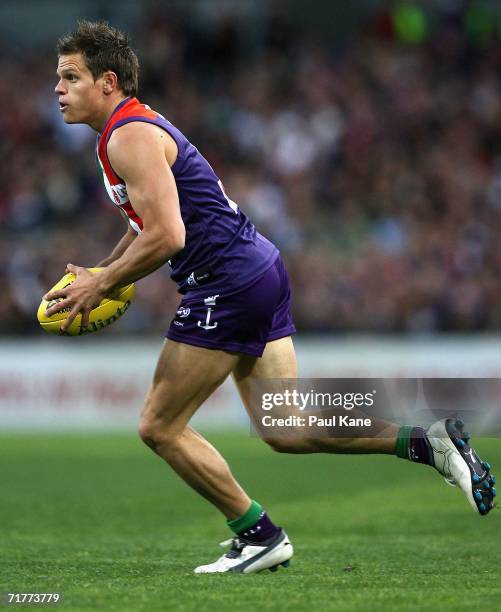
[222, 250]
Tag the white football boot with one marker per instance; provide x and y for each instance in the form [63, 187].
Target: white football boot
[460, 465]
[246, 557]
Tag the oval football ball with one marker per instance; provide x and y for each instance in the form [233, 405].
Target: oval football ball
[109, 310]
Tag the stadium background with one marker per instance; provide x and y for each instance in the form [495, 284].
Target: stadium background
[372, 158]
[364, 139]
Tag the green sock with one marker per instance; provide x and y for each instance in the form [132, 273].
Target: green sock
[247, 520]
[402, 448]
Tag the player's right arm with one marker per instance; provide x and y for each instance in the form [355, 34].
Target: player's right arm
[137, 152]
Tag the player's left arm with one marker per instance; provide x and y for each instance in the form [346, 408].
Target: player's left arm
[137, 153]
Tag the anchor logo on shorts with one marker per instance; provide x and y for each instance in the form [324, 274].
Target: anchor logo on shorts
[209, 301]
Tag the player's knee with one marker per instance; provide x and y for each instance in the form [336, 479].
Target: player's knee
[154, 435]
[147, 433]
[153, 430]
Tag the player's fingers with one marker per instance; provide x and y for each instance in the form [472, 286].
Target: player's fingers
[76, 270]
[58, 307]
[55, 295]
[70, 318]
[85, 319]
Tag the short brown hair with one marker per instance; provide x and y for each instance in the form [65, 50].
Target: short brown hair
[103, 48]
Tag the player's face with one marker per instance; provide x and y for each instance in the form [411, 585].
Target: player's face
[79, 95]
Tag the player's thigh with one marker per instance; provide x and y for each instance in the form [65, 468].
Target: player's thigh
[278, 361]
[185, 376]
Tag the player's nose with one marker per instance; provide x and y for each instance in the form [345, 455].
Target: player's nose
[59, 89]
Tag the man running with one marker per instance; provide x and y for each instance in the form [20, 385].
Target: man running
[234, 316]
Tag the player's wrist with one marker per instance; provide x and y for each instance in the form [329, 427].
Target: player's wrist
[104, 284]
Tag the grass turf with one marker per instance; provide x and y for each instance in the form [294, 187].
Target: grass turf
[102, 520]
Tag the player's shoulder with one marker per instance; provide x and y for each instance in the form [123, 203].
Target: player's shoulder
[136, 140]
[133, 131]
[137, 136]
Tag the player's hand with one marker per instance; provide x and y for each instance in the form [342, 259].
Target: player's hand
[81, 296]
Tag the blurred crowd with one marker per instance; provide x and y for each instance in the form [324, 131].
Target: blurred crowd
[374, 163]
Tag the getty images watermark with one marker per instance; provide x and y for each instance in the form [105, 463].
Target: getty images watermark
[356, 407]
[315, 401]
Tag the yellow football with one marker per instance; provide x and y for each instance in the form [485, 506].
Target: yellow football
[109, 310]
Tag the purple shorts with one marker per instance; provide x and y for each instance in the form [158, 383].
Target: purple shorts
[243, 321]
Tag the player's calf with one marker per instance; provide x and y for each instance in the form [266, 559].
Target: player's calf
[291, 444]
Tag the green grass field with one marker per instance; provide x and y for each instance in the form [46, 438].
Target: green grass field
[102, 520]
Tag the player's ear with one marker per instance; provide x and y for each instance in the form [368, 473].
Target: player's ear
[110, 82]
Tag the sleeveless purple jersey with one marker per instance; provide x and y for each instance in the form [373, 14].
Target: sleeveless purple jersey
[222, 250]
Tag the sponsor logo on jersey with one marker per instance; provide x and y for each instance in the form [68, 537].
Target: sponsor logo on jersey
[119, 193]
[211, 301]
[207, 324]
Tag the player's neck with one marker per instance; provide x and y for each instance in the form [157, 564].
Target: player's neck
[108, 109]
